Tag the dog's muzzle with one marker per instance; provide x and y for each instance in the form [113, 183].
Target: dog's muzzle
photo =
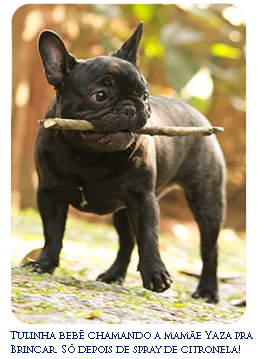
[111, 142]
[129, 111]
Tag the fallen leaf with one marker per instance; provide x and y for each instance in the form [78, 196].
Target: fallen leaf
[92, 315]
[32, 255]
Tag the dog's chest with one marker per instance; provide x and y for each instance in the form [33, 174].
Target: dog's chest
[92, 184]
[95, 198]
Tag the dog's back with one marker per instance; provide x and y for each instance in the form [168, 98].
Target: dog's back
[191, 158]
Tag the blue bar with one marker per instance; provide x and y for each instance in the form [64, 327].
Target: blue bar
[131, 341]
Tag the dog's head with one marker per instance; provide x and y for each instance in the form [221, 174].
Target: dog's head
[108, 91]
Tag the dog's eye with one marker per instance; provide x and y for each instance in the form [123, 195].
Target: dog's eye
[145, 97]
[99, 96]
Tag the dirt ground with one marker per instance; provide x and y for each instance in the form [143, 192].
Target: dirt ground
[72, 295]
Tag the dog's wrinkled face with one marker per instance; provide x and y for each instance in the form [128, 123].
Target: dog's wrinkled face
[108, 91]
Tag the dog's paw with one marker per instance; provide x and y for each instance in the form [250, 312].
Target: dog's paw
[156, 280]
[211, 296]
[110, 277]
[39, 267]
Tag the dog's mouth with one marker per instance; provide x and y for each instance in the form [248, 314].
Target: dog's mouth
[97, 135]
[110, 142]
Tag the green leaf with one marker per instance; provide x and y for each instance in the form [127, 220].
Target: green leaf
[200, 104]
[180, 67]
[153, 48]
[224, 50]
[144, 12]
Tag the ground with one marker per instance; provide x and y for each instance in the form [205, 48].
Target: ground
[72, 295]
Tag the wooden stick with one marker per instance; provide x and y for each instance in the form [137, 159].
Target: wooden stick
[67, 124]
[83, 125]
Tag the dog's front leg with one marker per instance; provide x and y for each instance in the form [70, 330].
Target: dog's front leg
[117, 271]
[143, 212]
[53, 213]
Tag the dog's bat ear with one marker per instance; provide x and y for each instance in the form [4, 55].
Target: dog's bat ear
[129, 50]
[57, 61]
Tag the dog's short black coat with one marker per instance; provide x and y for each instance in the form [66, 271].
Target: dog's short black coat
[116, 171]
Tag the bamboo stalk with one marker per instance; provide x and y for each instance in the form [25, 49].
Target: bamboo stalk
[83, 125]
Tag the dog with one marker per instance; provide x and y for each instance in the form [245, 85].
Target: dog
[116, 171]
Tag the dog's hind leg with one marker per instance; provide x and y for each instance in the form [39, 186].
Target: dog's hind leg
[207, 202]
[117, 271]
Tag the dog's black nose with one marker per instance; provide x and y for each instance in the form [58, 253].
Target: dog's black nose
[129, 111]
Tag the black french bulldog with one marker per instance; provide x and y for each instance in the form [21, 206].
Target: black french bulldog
[116, 171]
